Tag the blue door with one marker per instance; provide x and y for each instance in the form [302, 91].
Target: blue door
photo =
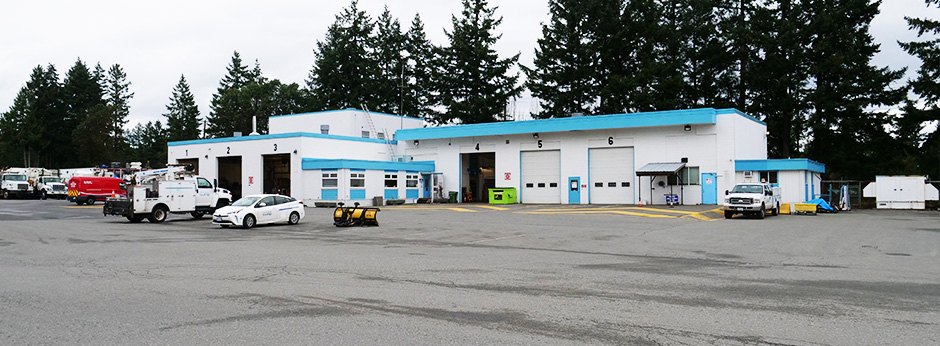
[574, 190]
[427, 185]
[709, 188]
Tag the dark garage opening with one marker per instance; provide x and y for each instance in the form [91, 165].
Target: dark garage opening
[277, 174]
[230, 175]
[478, 177]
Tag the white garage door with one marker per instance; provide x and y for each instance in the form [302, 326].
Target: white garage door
[612, 176]
[541, 177]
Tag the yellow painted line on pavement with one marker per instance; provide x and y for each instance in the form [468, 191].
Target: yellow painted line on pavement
[491, 207]
[663, 210]
[463, 210]
[609, 211]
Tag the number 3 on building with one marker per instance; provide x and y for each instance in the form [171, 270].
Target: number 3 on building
[275, 146]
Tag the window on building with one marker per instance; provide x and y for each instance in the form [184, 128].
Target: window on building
[391, 180]
[411, 180]
[325, 129]
[769, 177]
[329, 180]
[687, 175]
[380, 135]
[365, 134]
[357, 180]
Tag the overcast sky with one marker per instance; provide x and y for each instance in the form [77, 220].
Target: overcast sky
[156, 41]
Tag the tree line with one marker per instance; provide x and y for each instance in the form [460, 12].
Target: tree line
[804, 67]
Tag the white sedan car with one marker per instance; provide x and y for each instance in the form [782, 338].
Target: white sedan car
[254, 210]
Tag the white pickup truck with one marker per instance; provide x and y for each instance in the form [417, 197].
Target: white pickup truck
[753, 198]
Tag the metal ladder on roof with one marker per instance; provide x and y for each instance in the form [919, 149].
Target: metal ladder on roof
[388, 142]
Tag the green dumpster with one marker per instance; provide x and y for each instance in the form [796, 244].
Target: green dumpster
[503, 195]
[453, 197]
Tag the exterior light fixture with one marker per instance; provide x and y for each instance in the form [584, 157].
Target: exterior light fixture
[535, 135]
[295, 151]
[687, 127]
[416, 142]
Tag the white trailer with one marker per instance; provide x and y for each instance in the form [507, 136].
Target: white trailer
[901, 192]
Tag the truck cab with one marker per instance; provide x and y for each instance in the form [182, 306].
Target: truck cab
[52, 187]
[15, 185]
[752, 198]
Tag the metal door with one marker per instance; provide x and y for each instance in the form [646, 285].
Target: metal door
[709, 188]
[574, 190]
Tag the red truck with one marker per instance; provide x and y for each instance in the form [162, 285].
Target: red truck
[87, 190]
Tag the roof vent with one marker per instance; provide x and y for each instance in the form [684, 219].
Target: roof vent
[579, 114]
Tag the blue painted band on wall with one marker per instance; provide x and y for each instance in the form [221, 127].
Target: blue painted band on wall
[279, 135]
[596, 122]
[421, 166]
[779, 165]
[411, 193]
[391, 194]
[357, 194]
[328, 194]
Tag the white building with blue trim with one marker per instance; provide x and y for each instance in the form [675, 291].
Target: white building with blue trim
[352, 155]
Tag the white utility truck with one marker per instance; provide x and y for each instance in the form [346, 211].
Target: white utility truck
[49, 184]
[14, 182]
[752, 198]
[175, 189]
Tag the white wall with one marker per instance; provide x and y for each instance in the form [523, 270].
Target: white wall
[348, 122]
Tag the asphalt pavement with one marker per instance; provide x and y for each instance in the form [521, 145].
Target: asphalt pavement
[431, 275]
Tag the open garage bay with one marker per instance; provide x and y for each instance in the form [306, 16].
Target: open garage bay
[470, 275]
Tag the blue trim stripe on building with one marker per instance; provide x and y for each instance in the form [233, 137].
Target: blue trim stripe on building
[779, 165]
[411, 193]
[357, 194]
[421, 166]
[391, 194]
[596, 122]
[279, 135]
[329, 194]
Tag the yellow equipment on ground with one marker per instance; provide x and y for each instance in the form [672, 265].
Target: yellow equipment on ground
[355, 216]
[805, 208]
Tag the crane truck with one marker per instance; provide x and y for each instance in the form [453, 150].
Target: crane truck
[154, 194]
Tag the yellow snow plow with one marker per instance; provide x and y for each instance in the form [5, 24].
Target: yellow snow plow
[355, 216]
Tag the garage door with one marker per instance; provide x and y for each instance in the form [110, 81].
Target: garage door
[541, 177]
[612, 176]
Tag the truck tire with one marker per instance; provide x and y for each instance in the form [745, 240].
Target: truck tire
[136, 218]
[90, 200]
[158, 214]
[249, 221]
[762, 213]
[42, 195]
[728, 214]
[6, 194]
[776, 210]
[294, 218]
[197, 214]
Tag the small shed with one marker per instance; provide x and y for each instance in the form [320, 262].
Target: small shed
[799, 180]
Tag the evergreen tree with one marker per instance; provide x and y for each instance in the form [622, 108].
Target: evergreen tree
[419, 98]
[226, 110]
[564, 76]
[94, 136]
[148, 144]
[778, 80]
[45, 108]
[81, 91]
[15, 132]
[927, 87]
[182, 117]
[706, 59]
[342, 74]
[244, 94]
[846, 135]
[388, 48]
[474, 83]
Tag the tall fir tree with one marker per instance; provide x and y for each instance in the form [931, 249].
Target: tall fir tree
[419, 98]
[927, 88]
[225, 109]
[182, 117]
[388, 48]
[16, 133]
[474, 83]
[706, 59]
[342, 73]
[46, 109]
[147, 144]
[82, 90]
[563, 76]
[846, 133]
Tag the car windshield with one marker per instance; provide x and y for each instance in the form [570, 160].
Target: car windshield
[15, 177]
[747, 189]
[245, 201]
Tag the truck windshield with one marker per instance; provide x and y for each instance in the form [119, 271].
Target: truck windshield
[15, 177]
[47, 180]
[245, 202]
[747, 189]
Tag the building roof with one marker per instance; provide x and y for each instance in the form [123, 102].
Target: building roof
[661, 168]
[779, 165]
[343, 110]
[279, 135]
[595, 122]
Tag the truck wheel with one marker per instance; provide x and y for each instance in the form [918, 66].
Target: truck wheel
[42, 195]
[136, 218]
[6, 194]
[249, 221]
[776, 210]
[197, 214]
[90, 201]
[762, 213]
[158, 214]
[294, 218]
[728, 214]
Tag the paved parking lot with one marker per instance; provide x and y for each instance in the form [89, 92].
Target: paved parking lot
[492, 276]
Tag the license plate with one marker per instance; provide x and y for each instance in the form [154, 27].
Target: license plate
[218, 218]
[740, 209]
